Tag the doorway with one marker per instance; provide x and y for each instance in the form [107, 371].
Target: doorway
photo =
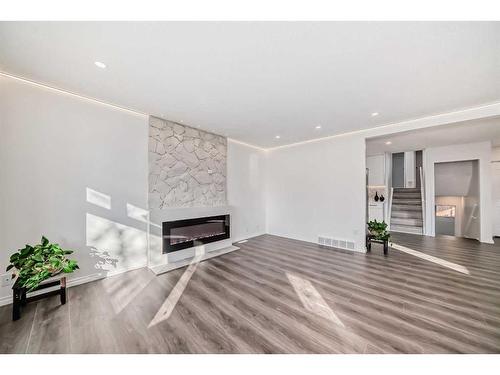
[457, 211]
[398, 170]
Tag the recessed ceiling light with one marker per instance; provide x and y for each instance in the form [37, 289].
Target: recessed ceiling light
[374, 114]
[277, 137]
[318, 126]
[100, 64]
[388, 143]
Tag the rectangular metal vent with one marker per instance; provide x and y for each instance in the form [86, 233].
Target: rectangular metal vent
[335, 242]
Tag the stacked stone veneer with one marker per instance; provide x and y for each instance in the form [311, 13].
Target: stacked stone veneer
[187, 166]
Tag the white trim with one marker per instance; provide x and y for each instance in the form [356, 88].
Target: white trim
[247, 236]
[422, 197]
[247, 144]
[390, 208]
[7, 300]
[66, 92]
[361, 250]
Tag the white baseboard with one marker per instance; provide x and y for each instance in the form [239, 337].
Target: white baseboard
[355, 250]
[7, 300]
[247, 237]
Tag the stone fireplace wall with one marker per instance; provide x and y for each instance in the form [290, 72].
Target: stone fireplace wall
[187, 166]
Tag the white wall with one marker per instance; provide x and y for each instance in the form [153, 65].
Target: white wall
[410, 178]
[318, 188]
[480, 151]
[453, 179]
[495, 154]
[55, 146]
[246, 190]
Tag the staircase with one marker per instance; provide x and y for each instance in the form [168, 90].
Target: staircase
[406, 212]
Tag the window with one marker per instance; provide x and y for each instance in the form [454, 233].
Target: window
[445, 211]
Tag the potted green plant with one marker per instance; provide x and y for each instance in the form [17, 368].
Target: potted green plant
[34, 264]
[378, 229]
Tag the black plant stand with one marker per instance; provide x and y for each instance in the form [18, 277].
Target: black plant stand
[20, 299]
[371, 238]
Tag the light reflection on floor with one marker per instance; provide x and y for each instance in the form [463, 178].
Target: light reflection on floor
[430, 258]
[168, 306]
[311, 299]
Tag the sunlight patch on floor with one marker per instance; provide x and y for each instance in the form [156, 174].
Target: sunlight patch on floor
[168, 306]
[311, 299]
[430, 258]
[122, 290]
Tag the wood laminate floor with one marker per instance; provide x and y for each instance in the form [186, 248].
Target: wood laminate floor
[277, 295]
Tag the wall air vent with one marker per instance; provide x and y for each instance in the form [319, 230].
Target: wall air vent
[336, 243]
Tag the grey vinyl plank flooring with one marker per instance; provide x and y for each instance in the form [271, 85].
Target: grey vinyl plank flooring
[278, 295]
[51, 323]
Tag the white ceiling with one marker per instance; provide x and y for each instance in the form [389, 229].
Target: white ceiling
[255, 80]
[455, 134]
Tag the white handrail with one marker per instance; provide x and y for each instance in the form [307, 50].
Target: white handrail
[390, 209]
[422, 196]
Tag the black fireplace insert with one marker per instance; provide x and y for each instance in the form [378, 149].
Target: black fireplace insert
[182, 234]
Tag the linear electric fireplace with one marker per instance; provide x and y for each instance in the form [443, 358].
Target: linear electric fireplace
[182, 234]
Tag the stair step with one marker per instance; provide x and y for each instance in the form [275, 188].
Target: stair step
[406, 229]
[406, 195]
[404, 221]
[407, 190]
[406, 214]
[416, 202]
[406, 207]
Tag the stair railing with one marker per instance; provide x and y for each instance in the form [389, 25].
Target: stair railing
[390, 209]
[422, 196]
